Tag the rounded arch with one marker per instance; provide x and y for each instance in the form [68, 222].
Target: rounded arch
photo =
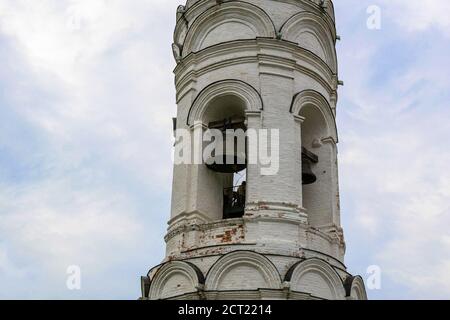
[234, 20]
[311, 32]
[355, 288]
[316, 277]
[316, 99]
[175, 278]
[250, 97]
[243, 270]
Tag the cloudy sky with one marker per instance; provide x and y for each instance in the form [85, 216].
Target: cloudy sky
[86, 100]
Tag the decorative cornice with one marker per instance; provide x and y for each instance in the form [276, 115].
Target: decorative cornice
[213, 58]
[191, 10]
[256, 45]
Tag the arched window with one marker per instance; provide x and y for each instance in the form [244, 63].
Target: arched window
[319, 167]
[220, 189]
[226, 157]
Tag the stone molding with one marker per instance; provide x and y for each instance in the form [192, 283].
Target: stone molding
[316, 99]
[291, 286]
[244, 13]
[239, 258]
[355, 288]
[241, 89]
[318, 27]
[194, 8]
[250, 51]
[320, 268]
[191, 275]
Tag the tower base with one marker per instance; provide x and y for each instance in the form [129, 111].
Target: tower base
[249, 275]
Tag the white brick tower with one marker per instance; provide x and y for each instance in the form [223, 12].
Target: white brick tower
[273, 64]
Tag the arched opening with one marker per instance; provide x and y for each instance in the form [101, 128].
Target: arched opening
[223, 107]
[316, 171]
[225, 152]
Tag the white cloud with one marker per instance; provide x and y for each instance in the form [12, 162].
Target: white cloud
[49, 225]
[112, 84]
[418, 15]
[95, 90]
[419, 255]
[394, 154]
[54, 222]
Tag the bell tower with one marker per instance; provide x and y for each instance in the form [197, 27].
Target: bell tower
[242, 229]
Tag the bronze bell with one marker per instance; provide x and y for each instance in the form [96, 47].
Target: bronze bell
[308, 159]
[228, 161]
